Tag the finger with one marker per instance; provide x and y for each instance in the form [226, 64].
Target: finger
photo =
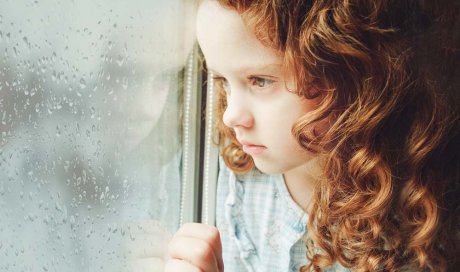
[175, 265]
[207, 233]
[195, 251]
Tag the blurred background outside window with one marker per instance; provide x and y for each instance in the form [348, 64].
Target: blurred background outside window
[91, 138]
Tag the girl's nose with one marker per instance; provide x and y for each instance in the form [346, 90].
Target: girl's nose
[237, 113]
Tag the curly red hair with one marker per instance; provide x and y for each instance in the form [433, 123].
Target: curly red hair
[387, 70]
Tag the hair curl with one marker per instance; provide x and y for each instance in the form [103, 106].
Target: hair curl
[387, 71]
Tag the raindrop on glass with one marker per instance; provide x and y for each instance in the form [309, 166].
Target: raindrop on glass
[82, 83]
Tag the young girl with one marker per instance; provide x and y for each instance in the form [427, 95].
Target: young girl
[340, 130]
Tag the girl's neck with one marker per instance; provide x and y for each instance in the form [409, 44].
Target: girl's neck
[301, 182]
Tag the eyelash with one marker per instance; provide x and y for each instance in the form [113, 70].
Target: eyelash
[253, 81]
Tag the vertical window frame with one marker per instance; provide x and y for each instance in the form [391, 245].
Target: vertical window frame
[189, 206]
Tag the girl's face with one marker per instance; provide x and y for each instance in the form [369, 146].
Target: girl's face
[260, 108]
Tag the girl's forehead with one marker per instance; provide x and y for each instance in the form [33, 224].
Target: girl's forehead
[221, 22]
[229, 44]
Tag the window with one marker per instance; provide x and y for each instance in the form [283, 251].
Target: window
[99, 125]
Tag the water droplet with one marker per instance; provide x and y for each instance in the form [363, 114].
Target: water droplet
[124, 83]
[93, 112]
[72, 221]
[4, 118]
[83, 176]
[58, 207]
[54, 76]
[64, 215]
[120, 60]
[26, 41]
[82, 83]
[66, 166]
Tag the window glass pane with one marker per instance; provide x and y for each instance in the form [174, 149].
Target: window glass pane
[90, 131]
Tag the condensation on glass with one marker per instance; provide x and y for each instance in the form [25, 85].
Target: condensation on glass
[91, 96]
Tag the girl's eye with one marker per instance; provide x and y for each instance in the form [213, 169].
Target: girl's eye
[260, 82]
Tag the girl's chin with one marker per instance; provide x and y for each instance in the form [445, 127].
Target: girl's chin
[267, 168]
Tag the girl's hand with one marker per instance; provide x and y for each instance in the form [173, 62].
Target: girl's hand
[195, 247]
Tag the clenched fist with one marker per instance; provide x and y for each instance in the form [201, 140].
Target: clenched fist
[195, 247]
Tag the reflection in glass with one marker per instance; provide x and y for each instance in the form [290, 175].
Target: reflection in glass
[90, 95]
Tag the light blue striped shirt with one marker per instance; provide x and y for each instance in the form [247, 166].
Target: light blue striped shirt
[260, 224]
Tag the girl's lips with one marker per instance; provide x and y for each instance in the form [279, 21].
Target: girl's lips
[253, 149]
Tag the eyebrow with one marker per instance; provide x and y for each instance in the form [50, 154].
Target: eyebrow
[271, 67]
